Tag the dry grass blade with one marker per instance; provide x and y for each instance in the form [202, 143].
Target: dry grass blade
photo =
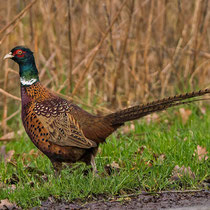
[10, 136]
[96, 49]
[178, 172]
[18, 17]
[201, 153]
[147, 45]
[9, 95]
[4, 124]
[11, 116]
[6, 204]
[70, 78]
[129, 52]
[117, 72]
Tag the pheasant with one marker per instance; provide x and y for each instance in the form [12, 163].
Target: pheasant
[63, 131]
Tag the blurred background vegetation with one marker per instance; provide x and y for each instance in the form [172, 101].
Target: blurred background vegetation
[106, 54]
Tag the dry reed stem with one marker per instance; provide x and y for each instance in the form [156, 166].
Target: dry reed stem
[11, 116]
[8, 31]
[18, 17]
[31, 24]
[96, 50]
[9, 95]
[197, 70]
[108, 17]
[122, 54]
[70, 78]
[146, 49]
[47, 64]
[176, 55]
[191, 63]
[4, 125]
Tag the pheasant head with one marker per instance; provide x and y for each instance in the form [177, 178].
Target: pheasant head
[27, 67]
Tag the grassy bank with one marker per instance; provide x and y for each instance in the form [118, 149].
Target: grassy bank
[138, 157]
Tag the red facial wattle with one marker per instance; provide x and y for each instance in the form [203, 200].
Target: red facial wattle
[19, 53]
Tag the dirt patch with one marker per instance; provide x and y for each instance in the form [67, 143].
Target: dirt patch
[143, 201]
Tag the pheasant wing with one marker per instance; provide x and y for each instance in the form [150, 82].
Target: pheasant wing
[65, 131]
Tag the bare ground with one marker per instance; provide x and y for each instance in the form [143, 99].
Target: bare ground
[166, 200]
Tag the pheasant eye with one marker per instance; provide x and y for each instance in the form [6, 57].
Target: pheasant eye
[19, 52]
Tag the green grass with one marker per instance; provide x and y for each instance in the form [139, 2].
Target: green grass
[134, 174]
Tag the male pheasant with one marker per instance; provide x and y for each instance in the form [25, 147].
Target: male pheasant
[62, 130]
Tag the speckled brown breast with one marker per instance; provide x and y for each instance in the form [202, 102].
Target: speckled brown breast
[38, 134]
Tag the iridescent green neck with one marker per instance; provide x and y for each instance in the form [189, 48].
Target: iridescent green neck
[28, 72]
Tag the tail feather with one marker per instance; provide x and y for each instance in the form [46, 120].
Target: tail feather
[136, 112]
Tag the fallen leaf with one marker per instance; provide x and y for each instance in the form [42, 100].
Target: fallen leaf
[6, 204]
[179, 172]
[140, 150]
[128, 128]
[203, 110]
[115, 165]
[31, 155]
[161, 158]
[2, 185]
[152, 118]
[10, 136]
[127, 199]
[9, 156]
[111, 168]
[149, 163]
[31, 152]
[185, 114]
[201, 153]
[99, 150]
[6, 156]
[11, 189]
[166, 121]
[185, 139]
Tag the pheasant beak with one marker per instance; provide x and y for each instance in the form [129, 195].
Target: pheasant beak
[9, 55]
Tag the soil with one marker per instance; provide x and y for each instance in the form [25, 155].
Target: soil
[166, 200]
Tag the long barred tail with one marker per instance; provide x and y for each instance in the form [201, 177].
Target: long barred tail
[136, 112]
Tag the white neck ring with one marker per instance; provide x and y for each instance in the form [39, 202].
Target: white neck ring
[23, 81]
